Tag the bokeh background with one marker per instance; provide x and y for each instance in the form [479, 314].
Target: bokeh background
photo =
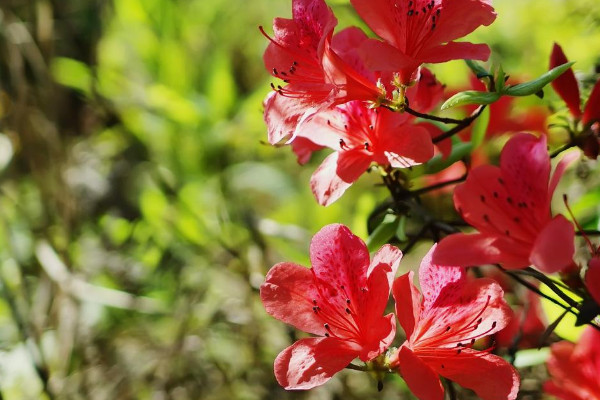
[140, 207]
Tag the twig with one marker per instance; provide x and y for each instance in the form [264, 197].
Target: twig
[465, 122]
[434, 117]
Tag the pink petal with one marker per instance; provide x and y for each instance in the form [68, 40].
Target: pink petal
[303, 148]
[427, 93]
[311, 362]
[352, 164]
[378, 337]
[325, 184]
[455, 51]
[592, 280]
[525, 166]
[407, 145]
[381, 56]
[459, 18]
[479, 249]
[387, 255]
[554, 247]
[408, 302]
[324, 128]
[340, 259]
[565, 161]
[486, 202]
[434, 278]
[456, 310]
[379, 15]
[489, 376]
[352, 85]
[592, 107]
[566, 84]
[287, 295]
[283, 114]
[420, 378]
[315, 18]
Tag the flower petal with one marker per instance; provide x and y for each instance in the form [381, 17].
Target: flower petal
[311, 362]
[387, 255]
[407, 145]
[525, 166]
[470, 369]
[434, 278]
[408, 302]
[455, 51]
[287, 295]
[325, 184]
[378, 338]
[554, 247]
[566, 84]
[592, 280]
[340, 259]
[382, 56]
[592, 107]
[479, 249]
[420, 378]
[461, 17]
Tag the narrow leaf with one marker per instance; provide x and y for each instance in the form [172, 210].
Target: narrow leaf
[534, 86]
[480, 128]
[384, 232]
[477, 69]
[471, 97]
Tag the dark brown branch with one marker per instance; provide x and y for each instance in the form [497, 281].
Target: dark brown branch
[465, 123]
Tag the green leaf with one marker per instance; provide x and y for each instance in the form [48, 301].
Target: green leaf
[384, 232]
[534, 86]
[437, 163]
[477, 69]
[531, 357]
[471, 97]
[480, 127]
[72, 73]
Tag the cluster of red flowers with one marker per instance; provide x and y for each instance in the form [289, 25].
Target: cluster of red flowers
[361, 97]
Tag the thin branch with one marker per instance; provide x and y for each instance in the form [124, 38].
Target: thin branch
[439, 186]
[561, 149]
[434, 117]
[465, 122]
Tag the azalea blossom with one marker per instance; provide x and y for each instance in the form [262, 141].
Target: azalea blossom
[510, 207]
[575, 368]
[341, 299]
[441, 326]
[315, 77]
[361, 136]
[422, 31]
[567, 88]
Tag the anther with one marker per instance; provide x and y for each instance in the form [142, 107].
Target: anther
[326, 325]
[348, 311]
[326, 334]
[493, 324]
[366, 146]
[347, 301]
[447, 328]
[275, 71]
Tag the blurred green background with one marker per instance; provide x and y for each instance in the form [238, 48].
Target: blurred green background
[140, 208]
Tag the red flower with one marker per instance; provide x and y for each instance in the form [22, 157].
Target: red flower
[510, 207]
[592, 278]
[566, 87]
[300, 54]
[442, 324]
[575, 368]
[422, 31]
[362, 136]
[341, 298]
